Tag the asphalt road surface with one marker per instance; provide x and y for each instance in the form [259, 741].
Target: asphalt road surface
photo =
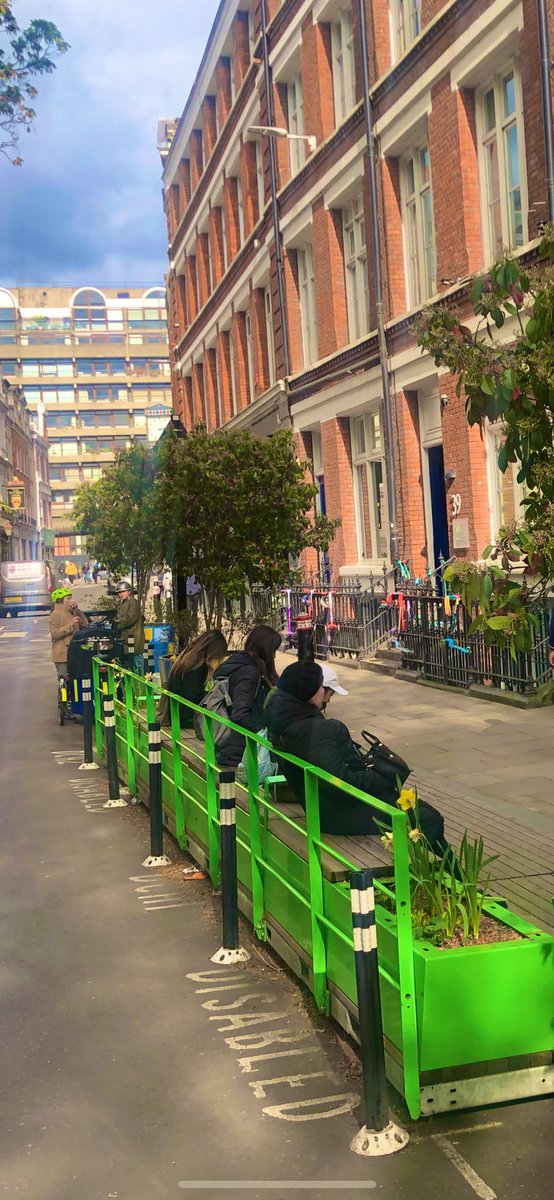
[121, 1075]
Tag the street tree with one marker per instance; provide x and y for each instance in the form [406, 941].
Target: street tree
[505, 371]
[24, 55]
[234, 509]
[119, 515]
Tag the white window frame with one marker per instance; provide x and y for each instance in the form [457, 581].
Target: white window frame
[308, 308]
[250, 354]
[269, 336]
[417, 206]
[498, 136]
[295, 106]
[406, 20]
[368, 452]
[260, 177]
[240, 208]
[343, 65]
[495, 477]
[232, 366]
[355, 268]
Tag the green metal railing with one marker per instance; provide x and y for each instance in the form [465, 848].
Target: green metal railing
[268, 868]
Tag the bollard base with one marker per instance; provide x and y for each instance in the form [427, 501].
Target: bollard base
[121, 803]
[157, 860]
[228, 957]
[89, 767]
[373, 1143]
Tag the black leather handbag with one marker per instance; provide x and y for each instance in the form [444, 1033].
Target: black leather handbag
[385, 762]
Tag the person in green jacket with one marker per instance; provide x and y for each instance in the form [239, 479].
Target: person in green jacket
[130, 624]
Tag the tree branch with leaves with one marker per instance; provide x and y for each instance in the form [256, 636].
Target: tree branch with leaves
[24, 55]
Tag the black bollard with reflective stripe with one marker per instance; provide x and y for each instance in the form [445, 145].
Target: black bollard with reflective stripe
[86, 687]
[362, 895]
[379, 1134]
[156, 858]
[155, 780]
[228, 819]
[111, 751]
[230, 950]
[148, 660]
[88, 763]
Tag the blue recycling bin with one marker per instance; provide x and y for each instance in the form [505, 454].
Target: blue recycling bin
[161, 640]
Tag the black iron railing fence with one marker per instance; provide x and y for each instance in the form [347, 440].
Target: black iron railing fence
[436, 643]
[347, 621]
[428, 629]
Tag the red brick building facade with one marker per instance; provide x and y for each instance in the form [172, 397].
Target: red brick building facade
[456, 104]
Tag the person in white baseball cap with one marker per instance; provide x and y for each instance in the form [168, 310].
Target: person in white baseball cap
[330, 685]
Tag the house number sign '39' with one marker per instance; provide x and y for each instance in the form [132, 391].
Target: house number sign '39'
[456, 502]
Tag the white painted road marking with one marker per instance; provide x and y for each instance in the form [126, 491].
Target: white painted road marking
[277, 1185]
[317, 1108]
[461, 1164]
[4, 634]
[154, 900]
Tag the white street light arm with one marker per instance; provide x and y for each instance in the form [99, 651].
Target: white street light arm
[279, 131]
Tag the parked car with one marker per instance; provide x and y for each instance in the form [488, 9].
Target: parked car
[26, 585]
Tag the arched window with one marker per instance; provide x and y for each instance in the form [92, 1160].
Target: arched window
[156, 293]
[89, 309]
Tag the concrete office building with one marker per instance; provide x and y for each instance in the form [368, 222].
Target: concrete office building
[93, 363]
[274, 249]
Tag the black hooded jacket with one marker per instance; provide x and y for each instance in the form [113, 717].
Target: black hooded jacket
[248, 691]
[299, 728]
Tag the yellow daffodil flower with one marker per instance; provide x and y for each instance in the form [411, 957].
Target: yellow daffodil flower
[415, 835]
[387, 840]
[407, 799]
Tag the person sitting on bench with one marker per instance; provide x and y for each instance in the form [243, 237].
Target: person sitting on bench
[297, 725]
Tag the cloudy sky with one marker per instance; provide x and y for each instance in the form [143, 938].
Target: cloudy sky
[86, 207]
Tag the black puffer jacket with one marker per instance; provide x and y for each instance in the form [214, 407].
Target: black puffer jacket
[248, 692]
[300, 728]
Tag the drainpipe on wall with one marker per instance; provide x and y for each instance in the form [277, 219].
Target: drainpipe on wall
[379, 308]
[274, 200]
[546, 72]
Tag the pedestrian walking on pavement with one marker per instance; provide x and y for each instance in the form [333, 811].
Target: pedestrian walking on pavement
[130, 624]
[64, 620]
